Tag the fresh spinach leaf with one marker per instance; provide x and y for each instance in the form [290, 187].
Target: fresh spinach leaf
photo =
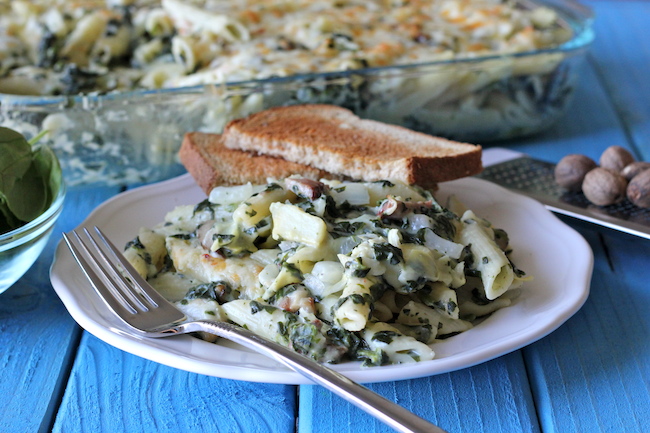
[15, 158]
[28, 197]
[30, 177]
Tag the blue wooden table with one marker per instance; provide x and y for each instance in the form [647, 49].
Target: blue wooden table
[590, 375]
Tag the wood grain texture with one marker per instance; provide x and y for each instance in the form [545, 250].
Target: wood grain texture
[113, 391]
[37, 335]
[593, 374]
[590, 375]
[493, 397]
[621, 57]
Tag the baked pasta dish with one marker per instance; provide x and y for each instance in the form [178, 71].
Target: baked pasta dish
[366, 271]
[54, 47]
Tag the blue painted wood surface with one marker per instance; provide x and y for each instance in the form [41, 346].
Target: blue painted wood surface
[110, 390]
[591, 375]
[491, 397]
[598, 364]
[38, 338]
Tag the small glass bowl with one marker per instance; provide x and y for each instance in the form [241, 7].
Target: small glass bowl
[20, 247]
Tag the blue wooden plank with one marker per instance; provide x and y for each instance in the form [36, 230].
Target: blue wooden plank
[110, 390]
[37, 335]
[621, 55]
[492, 397]
[593, 374]
[590, 375]
[113, 391]
[610, 106]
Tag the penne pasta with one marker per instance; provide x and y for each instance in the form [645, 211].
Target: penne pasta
[217, 41]
[295, 262]
[489, 260]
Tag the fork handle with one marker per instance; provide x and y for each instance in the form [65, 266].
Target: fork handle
[385, 410]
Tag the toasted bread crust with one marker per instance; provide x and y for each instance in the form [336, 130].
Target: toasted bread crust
[211, 163]
[334, 139]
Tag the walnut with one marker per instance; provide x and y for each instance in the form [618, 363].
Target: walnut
[616, 158]
[603, 187]
[634, 168]
[638, 190]
[571, 171]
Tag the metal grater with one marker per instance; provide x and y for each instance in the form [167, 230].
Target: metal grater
[535, 178]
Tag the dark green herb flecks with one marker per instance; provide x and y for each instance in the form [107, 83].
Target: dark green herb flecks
[388, 252]
[203, 206]
[303, 336]
[284, 292]
[344, 338]
[134, 243]
[372, 358]
[501, 239]
[384, 183]
[412, 353]
[183, 236]
[346, 228]
[356, 268]
[412, 286]
[385, 336]
[256, 307]
[219, 291]
[273, 186]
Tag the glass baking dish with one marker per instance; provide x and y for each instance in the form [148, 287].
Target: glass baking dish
[133, 137]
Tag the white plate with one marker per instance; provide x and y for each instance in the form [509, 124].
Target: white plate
[559, 258]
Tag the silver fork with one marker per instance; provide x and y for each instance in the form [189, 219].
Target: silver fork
[147, 313]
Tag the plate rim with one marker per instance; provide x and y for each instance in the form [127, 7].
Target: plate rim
[159, 353]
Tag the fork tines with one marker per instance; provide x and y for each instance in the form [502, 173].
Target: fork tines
[108, 270]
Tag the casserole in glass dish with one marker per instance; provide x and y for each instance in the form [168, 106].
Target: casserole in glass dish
[117, 83]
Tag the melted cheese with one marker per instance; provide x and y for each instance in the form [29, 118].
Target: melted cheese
[193, 260]
[174, 43]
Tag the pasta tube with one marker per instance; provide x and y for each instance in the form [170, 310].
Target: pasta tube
[496, 271]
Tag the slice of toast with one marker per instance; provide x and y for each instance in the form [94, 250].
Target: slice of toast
[211, 163]
[336, 140]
